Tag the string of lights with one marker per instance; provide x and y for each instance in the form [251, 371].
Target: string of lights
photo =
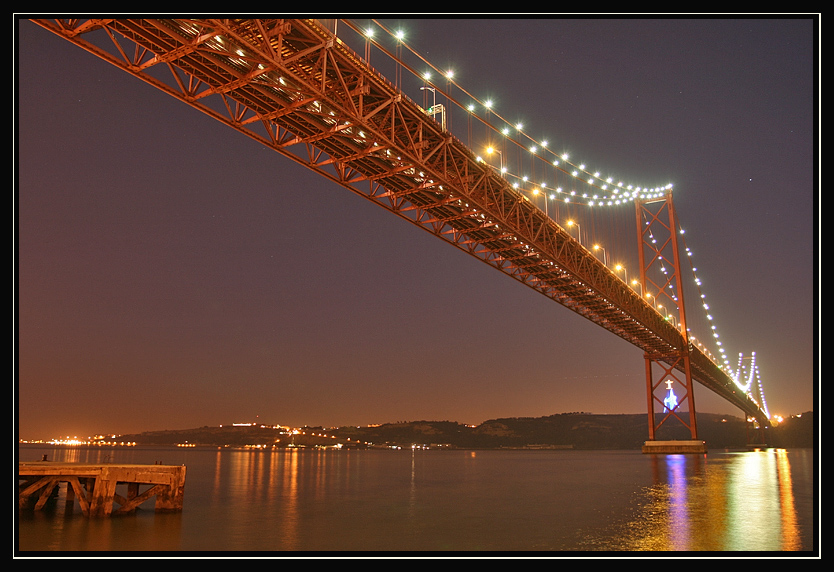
[737, 374]
[608, 192]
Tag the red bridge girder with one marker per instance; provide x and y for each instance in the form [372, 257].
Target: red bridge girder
[294, 87]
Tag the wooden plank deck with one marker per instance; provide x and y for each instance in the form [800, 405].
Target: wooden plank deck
[94, 485]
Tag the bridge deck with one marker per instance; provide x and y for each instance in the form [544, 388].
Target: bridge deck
[298, 89]
[94, 485]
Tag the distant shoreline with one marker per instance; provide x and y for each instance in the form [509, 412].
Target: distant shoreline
[576, 430]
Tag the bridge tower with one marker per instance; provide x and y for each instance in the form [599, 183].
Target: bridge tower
[670, 371]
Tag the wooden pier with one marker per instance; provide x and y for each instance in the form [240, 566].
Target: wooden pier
[94, 485]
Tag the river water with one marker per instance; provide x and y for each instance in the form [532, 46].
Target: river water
[319, 502]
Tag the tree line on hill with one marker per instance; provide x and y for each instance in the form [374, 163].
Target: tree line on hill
[566, 430]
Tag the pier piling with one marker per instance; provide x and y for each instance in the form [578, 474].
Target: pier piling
[95, 486]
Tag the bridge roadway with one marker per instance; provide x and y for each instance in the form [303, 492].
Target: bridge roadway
[293, 86]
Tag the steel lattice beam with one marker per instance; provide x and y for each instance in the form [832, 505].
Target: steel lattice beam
[294, 87]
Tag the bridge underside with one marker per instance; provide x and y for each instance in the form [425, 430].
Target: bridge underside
[297, 89]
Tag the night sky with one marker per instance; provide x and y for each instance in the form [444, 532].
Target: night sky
[172, 273]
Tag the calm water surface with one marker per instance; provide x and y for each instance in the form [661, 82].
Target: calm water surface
[431, 500]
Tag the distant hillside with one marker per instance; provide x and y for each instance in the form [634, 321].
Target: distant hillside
[568, 430]
[575, 430]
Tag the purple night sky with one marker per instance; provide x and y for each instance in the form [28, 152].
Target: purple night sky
[172, 273]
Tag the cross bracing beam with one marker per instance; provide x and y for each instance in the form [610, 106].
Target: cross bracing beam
[294, 87]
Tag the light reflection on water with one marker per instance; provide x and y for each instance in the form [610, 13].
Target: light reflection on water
[731, 502]
[311, 501]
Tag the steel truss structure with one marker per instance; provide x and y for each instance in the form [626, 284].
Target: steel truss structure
[658, 247]
[299, 90]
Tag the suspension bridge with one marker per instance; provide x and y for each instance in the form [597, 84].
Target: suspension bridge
[345, 102]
